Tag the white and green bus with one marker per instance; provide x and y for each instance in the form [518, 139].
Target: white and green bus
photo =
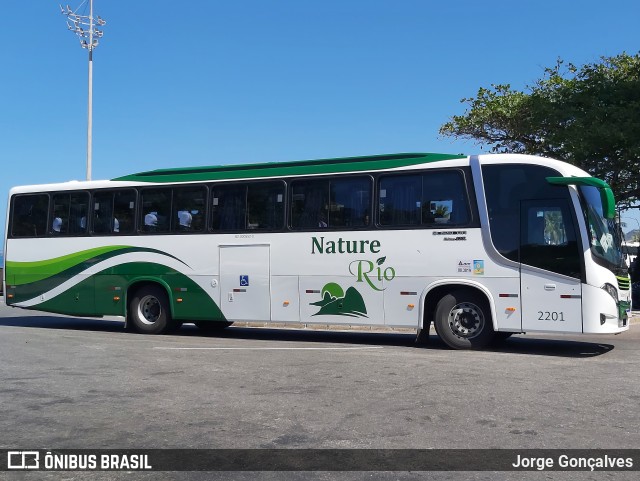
[479, 246]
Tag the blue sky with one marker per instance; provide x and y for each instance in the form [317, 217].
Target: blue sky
[209, 82]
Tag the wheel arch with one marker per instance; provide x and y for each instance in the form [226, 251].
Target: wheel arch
[437, 290]
[141, 282]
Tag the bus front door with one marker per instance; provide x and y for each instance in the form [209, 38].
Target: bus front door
[245, 282]
[550, 267]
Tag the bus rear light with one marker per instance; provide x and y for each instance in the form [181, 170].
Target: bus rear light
[410, 306]
[179, 299]
[116, 298]
[285, 303]
[510, 309]
[9, 296]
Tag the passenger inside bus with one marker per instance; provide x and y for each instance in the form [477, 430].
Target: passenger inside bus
[56, 226]
[151, 220]
[184, 219]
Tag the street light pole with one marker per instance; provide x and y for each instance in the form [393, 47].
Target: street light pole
[84, 26]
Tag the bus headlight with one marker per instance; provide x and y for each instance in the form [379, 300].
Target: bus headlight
[613, 292]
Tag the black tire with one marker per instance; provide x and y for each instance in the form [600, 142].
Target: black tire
[463, 320]
[150, 312]
[212, 326]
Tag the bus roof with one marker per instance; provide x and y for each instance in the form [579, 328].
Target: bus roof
[276, 169]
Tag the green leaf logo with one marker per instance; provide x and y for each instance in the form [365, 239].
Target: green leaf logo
[381, 260]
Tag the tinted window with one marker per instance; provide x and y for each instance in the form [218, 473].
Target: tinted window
[336, 203]
[548, 238]
[350, 202]
[310, 204]
[429, 199]
[228, 208]
[29, 215]
[400, 200]
[505, 187]
[114, 212]
[124, 211]
[189, 209]
[69, 213]
[156, 210]
[265, 206]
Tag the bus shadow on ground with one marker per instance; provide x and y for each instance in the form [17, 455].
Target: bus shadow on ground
[552, 347]
[67, 323]
[515, 345]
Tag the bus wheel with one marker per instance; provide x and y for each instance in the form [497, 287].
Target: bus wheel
[149, 311]
[212, 326]
[463, 320]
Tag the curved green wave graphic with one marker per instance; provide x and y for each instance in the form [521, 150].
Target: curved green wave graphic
[21, 273]
[94, 296]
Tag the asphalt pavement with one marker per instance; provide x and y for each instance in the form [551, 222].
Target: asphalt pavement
[86, 383]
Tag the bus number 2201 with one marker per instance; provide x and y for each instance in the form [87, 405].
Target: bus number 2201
[550, 316]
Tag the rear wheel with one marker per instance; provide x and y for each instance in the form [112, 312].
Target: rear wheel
[150, 312]
[463, 320]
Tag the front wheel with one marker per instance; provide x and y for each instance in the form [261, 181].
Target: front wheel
[463, 320]
[150, 312]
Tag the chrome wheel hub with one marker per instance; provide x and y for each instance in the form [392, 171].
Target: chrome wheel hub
[466, 320]
[149, 309]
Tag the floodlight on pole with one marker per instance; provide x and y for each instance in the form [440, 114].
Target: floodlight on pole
[85, 27]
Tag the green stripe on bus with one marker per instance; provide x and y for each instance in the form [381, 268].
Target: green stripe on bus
[94, 296]
[284, 169]
[27, 272]
[57, 270]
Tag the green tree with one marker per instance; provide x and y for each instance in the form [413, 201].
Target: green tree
[588, 116]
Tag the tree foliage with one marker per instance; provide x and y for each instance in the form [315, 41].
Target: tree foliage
[588, 116]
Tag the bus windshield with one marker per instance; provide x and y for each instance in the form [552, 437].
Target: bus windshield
[604, 236]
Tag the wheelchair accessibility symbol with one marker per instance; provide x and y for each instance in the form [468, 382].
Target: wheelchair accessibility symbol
[244, 281]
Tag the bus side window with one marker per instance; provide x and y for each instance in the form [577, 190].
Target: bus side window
[102, 213]
[350, 201]
[548, 238]
[78, 211]
[29, 215]
[189, 209]
[309, 204]
[124, 208]
[400, 200]
[506, 187]
[69, 213]
[156, 210]
[228, 207]
[265, 206]
[60, 214]
[445, 198]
